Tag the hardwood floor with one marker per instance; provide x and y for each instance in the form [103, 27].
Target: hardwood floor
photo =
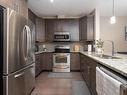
[46, 85]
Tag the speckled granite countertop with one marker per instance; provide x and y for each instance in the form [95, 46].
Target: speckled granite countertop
[118, 65]
[39, 52]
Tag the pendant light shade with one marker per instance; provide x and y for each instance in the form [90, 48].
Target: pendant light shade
[113, 18]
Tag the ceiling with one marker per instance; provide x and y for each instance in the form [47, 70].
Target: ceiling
[76, 8]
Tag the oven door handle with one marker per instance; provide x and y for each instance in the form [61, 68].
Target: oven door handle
[62, 54]
[62, 67]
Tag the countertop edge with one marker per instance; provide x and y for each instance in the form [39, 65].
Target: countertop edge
[39, 52]
[36, 53]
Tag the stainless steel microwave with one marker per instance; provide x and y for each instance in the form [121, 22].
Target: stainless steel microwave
[61, 36]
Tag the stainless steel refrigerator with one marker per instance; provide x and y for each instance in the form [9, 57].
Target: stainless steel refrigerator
[17, 67]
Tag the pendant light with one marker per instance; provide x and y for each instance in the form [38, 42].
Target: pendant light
[113, 18]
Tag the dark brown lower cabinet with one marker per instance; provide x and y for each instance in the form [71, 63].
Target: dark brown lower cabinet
[38, 67]
[43, 61]
[47, 61]
[75, 61]
[93, 65]
[88, 70]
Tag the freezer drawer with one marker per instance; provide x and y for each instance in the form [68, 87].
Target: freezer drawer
[21, 82]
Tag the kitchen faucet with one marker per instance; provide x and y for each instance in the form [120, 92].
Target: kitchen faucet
[113, 49]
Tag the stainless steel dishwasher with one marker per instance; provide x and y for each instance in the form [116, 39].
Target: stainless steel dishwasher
[112, 75]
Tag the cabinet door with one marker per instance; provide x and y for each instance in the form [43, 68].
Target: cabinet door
[62, 25]
[37, 64]
[47, 61]
[83, 65]
[81, 62]
[75, 61]
[93, 65]
[50, 29]
[90, 28]
[40, 30]
[83, 28]
[19, 6]
[87, 71]
[23, 8]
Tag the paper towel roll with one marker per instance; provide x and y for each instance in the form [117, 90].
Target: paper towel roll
[89, 48]
[76, 48]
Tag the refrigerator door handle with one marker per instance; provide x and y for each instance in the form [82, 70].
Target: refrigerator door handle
[24, 44]
[28, 40]
[18, 75]
[27, 45]
[27, 32]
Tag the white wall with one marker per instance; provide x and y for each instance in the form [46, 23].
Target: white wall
[113, 32]
[97, 24]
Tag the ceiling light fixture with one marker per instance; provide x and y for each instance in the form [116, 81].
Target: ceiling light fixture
[51, 1]
[113, 18]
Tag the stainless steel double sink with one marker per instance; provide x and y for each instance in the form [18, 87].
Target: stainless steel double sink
[106, 56]
[109, 57]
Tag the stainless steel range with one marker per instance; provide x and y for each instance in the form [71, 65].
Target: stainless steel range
[61, 59]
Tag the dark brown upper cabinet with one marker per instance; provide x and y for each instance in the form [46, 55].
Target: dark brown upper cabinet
[49, 29]
[40, 30]
[86, 28]
[18, 5]
[31, 16]
[80, 29]
[62, 25]
[83, 28]
[90, 28]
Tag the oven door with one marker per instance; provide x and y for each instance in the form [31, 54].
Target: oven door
[61, 60]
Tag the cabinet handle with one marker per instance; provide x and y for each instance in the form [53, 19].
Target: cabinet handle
[88, 70]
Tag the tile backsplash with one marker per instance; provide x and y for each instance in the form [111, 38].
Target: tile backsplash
[49, 47]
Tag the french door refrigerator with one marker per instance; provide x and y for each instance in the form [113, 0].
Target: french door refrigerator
[17, 67]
